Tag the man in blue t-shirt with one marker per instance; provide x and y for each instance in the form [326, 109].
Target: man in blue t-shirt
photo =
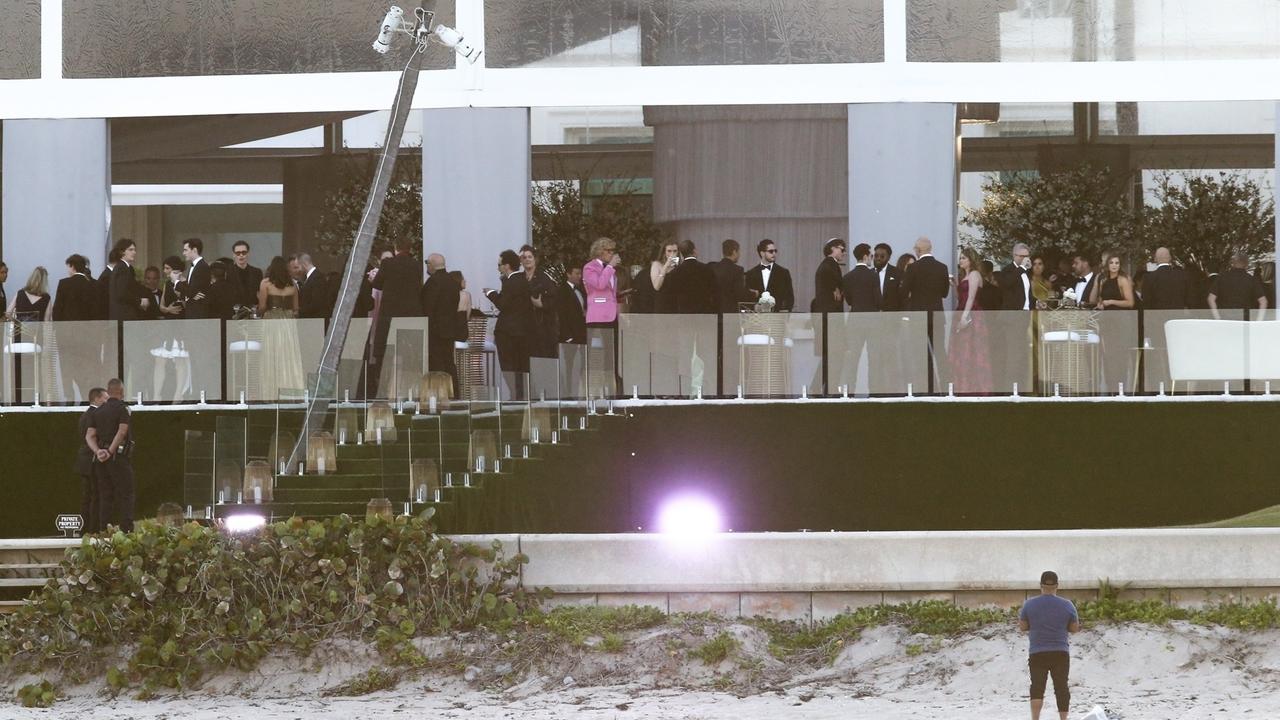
[1048, 618]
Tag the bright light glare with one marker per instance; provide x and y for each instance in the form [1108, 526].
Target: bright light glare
[244, 523]
[689, 516]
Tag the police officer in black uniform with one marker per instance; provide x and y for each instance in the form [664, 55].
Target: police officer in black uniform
[112, 444]
[85, 461]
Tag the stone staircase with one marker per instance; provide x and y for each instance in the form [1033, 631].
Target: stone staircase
[513, 497]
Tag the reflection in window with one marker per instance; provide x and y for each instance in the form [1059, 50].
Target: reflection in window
[19, 39]
[108, 38]
[1089, 30]
[564, 33]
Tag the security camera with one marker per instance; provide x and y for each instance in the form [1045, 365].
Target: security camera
[391, 24]
[451, 38]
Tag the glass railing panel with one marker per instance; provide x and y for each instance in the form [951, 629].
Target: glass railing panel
[354, 381]
[878, 353]
[1262, 351]
[173, 360]
[663, 356]
[404, 359]
[265, 356]
[199, 491]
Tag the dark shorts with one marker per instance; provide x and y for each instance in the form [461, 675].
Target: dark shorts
[1057, 664]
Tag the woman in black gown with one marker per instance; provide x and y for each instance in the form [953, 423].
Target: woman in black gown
[1118, 330]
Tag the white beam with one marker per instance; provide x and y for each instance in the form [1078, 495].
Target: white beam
[1047, 82]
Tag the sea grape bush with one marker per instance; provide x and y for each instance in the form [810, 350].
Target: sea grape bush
[161, 606]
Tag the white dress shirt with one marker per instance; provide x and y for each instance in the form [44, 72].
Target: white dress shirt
[1081, 284]
[765, 274]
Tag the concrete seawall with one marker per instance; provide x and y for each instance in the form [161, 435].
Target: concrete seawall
[814, 576]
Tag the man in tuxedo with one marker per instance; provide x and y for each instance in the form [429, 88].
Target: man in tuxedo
[828, 297]
[771, 277]
[1012, 330]
[888, 277]
[924, 285]
[861, 290]
[155, 292]
[513, 333]
[572, 309]
[884, 345]
[1237, 290]
[128, 297]
[196, 296]
[1015, 281]
[399, 279]
[1164, 288]
[926, 281]
[438, 298]
[694, 291]
[313, 294]
[102, 309]
[77, 295]
[730, 278]
[1082, 266]
[244, 277]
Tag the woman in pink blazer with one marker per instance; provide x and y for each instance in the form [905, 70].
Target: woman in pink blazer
[599, 277]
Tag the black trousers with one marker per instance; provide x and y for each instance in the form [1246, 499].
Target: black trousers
[89, 503]
[115, 492]
[513, 359]
[1057, 664]
[440, 359]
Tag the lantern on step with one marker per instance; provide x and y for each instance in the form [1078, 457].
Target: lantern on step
[258, 482]
[537, 424]
[424, 480]
[322, 456]
[380, 424]
[435, 391]
[347, 424]
[484, 450]
[281, 447]
[227, 480]
[378, 507]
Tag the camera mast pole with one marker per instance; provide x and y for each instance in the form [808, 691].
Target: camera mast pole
[325, 383]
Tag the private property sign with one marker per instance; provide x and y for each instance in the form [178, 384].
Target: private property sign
[69, 524]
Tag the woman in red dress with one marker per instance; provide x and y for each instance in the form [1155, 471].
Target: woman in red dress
[970, 362]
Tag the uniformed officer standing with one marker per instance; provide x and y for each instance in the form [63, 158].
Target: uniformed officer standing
[85, 462]
[112, 444]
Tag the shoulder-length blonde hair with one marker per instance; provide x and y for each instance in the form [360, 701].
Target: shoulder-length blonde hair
[600, 245]
[38, 282]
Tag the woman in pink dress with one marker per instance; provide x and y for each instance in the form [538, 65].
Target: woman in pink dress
[970, 363]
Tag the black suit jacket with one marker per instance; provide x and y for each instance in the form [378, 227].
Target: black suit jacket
[779, 285]
[731, 284]
[925, 284]
[1165, 288]
[102, 311]
[515, 310]
[126, 293]
[861, 287]
[313, 296]
[826, 280]
[891, 294]
[76, 299]
[199, 280]
[439, 302]
[1086, 297]
[400, 280]
[1012, 294]
[245, 284]
[693, 287]
[573, 319]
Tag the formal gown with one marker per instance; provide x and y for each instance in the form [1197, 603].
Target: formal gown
[1116, 341]
[969, 353]
[280, 369]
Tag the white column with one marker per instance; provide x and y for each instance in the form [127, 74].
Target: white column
[903, 176]
[475, 189]
[57, 195]
[1275, 180]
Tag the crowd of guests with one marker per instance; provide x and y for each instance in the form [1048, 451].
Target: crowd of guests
[184, 287]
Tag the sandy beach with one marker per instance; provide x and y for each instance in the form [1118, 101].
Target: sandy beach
[1133, 671]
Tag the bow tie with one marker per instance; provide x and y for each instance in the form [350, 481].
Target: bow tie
[767, 267]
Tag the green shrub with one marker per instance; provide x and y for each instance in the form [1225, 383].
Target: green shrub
[42, 694]
[187, 600]
[371, 681]
[576, 624]
[717, 649]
